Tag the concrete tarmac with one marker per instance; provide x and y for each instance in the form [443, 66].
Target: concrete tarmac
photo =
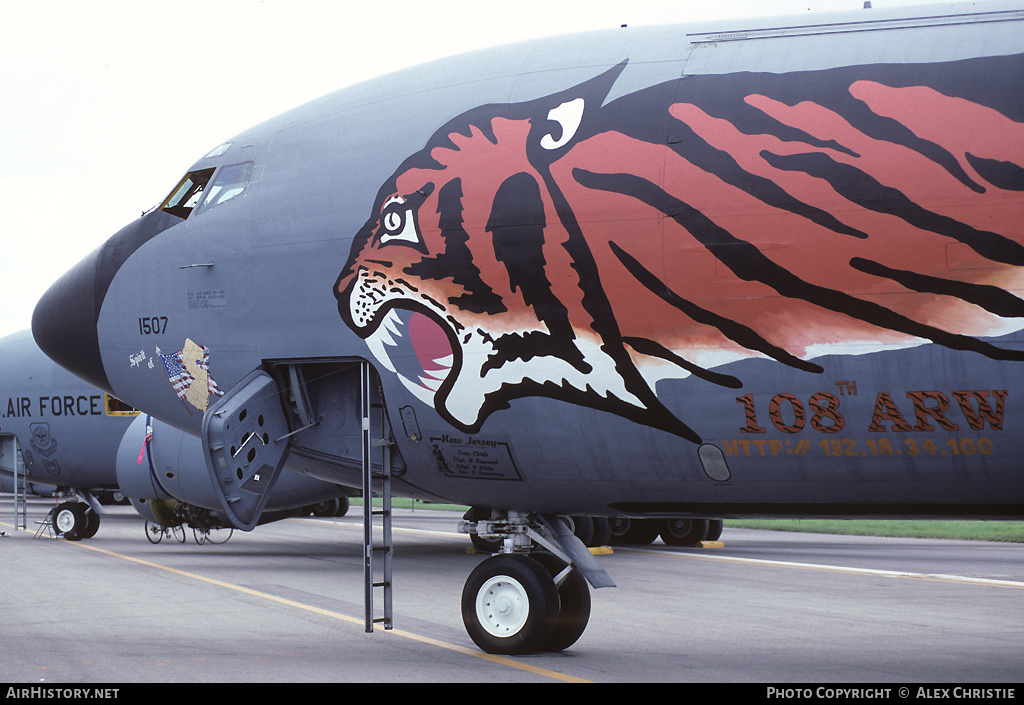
[284, 603]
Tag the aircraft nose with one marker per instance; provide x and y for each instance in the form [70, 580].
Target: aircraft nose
[64, 322]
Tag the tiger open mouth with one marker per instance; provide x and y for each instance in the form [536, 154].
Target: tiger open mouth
[416, 348]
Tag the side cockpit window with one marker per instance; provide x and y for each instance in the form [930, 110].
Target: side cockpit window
[202, 190]
[187, 193]
[230, 181]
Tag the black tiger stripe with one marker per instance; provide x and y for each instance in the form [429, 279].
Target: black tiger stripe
[736, 332]
[604, 323]
[650, 347]
[517, 224]
[456, 262]
[830, 89]
[1005, 175]
[723, 165]
[991, 298]
[860, 188]
[753, 265]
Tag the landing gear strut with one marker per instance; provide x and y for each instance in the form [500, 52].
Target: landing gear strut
[518, 601]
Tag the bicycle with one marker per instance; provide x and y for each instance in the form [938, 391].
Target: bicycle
[214, 535]
[156, 532]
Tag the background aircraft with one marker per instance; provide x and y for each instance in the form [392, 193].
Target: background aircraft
[76, 441]
[753, 269]
[59, 431]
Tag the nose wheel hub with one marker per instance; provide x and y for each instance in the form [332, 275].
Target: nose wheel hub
[502, 606]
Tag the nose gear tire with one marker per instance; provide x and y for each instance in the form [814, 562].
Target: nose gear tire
[510, 605]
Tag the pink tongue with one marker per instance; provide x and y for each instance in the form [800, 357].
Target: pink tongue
[429, 341]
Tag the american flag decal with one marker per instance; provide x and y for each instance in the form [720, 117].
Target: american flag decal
[177, 375]
[184, 367]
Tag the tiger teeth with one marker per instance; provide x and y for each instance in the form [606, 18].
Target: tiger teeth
[390, 328]
[431, 383]
[376, 346]
[384, 337]
[439, 367]
[394, 323]
[392, 335]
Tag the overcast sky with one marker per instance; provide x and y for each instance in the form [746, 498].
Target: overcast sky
[104, 104]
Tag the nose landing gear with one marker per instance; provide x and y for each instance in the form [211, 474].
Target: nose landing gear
[75, 521]
[521, 601]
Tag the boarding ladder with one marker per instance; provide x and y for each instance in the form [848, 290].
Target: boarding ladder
[11, 452]
[20, 501]
[372, 577]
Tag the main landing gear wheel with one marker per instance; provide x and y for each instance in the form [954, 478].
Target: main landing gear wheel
[715, 527]
[627, 531]
[510, 605]
[683, 532]
[602, 532]
[325, 508]
[583, 527]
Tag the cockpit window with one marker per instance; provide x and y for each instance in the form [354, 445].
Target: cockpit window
[186, 194]
[231, 180]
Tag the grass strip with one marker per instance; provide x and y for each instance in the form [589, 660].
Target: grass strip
[1008, 531]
